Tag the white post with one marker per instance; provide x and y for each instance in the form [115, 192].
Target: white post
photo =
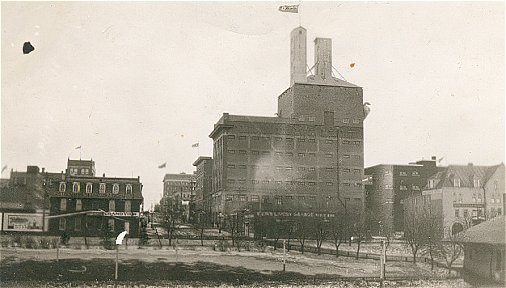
[382, 260]
[284, 256]
[116, 268]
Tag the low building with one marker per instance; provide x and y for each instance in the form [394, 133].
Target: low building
[484, 251]
[85, 205]
[23, 202]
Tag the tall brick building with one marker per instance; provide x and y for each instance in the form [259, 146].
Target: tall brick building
[203, 184]
[309, 159]
[391, 185]
[178, 193]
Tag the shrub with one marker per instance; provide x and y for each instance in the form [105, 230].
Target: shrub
[30, 243]
[55, 242]
[44, 243]
[5, 243]
[222, 245]
[16, 241]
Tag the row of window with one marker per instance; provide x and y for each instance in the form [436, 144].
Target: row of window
[62, 225]
[300, 183]
[76, 188]
[291, 140]
[414, 173]
[75, 171]
[79, 205]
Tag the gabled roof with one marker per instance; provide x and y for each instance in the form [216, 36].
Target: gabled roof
[489, 232]
[466, 174]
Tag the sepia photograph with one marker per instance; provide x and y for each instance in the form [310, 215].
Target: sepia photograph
[252, 144]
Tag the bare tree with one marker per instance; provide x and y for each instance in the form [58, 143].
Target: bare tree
[359, 233]
[201, 222]
[302, 232]
[321, 232]
[450, 248]
[339, 232]
[414, 232]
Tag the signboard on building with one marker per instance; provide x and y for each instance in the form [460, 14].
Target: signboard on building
[295, 214]
[112, 213]
[27, 222]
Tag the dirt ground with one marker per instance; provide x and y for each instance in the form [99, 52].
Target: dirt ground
[27, 267]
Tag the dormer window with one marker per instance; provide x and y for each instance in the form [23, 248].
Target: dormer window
[456, 182]
[476, 183]
[115, 188]
[63, 186]
[89, 188]
[431, 183]
[128, 189]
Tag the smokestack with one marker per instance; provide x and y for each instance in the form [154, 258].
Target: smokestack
[323, 58]
[298, 59]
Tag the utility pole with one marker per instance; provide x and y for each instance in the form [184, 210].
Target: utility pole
[284, 256]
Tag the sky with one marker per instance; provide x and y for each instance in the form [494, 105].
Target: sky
[135, 84]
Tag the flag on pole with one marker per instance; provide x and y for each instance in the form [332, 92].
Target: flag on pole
[289, 8]
[163, 165]
[78, 147]
[195, 145]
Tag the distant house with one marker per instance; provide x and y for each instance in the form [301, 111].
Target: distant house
[484, 251]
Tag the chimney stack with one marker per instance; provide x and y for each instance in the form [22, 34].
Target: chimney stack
[323, 58]
[298, 59]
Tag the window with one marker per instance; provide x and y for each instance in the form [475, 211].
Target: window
[346, 170]
[255, 181]
[111, 224]
[456, 182]
[63, 204]
[266, 152]
[402, 173]
[357, 171]
[112, 205]
[329, 169]
[328, 155]
[356, 121]
[255, 137]
[499, 211]
[466, 213]
[302, 183]
[346, 120]
[242, 181]
[346, 142]
[311, 154]
[457, 213]
[301, 197]
[231, 136]
[415, 173]
[243, 198]
[89, 188]
[278, 138]
[289, 139]
[476, 183]
[329, 183]
[242, 151]
[289, 154]
[346, 156]
[242, 166]
[77, 224]
[311, 118]
[356, 142]
[302, 155]
[329, 141]
[101, 188]
[79, 204]
[63, 186]
[128, 189]
[403, 187]
[254, 198]
[311, 169]
[254, 152]
[415, 187]
[431, 183]
[289, 168]
[115, 188]
[311, 183]
[231, 151]
[301, 118]
[279, 201]
[62, 225]
[76, 187]
[311, 140]
[242, 137]
[265, 181]
[231, 166]
[128, 206]
[301, 140]
[279, 153]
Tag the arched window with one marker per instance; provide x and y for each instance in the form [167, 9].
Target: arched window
[63, 186]
[101, 189]
[89, 188]
[115, 188]
[76, 187]
[129, 189]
